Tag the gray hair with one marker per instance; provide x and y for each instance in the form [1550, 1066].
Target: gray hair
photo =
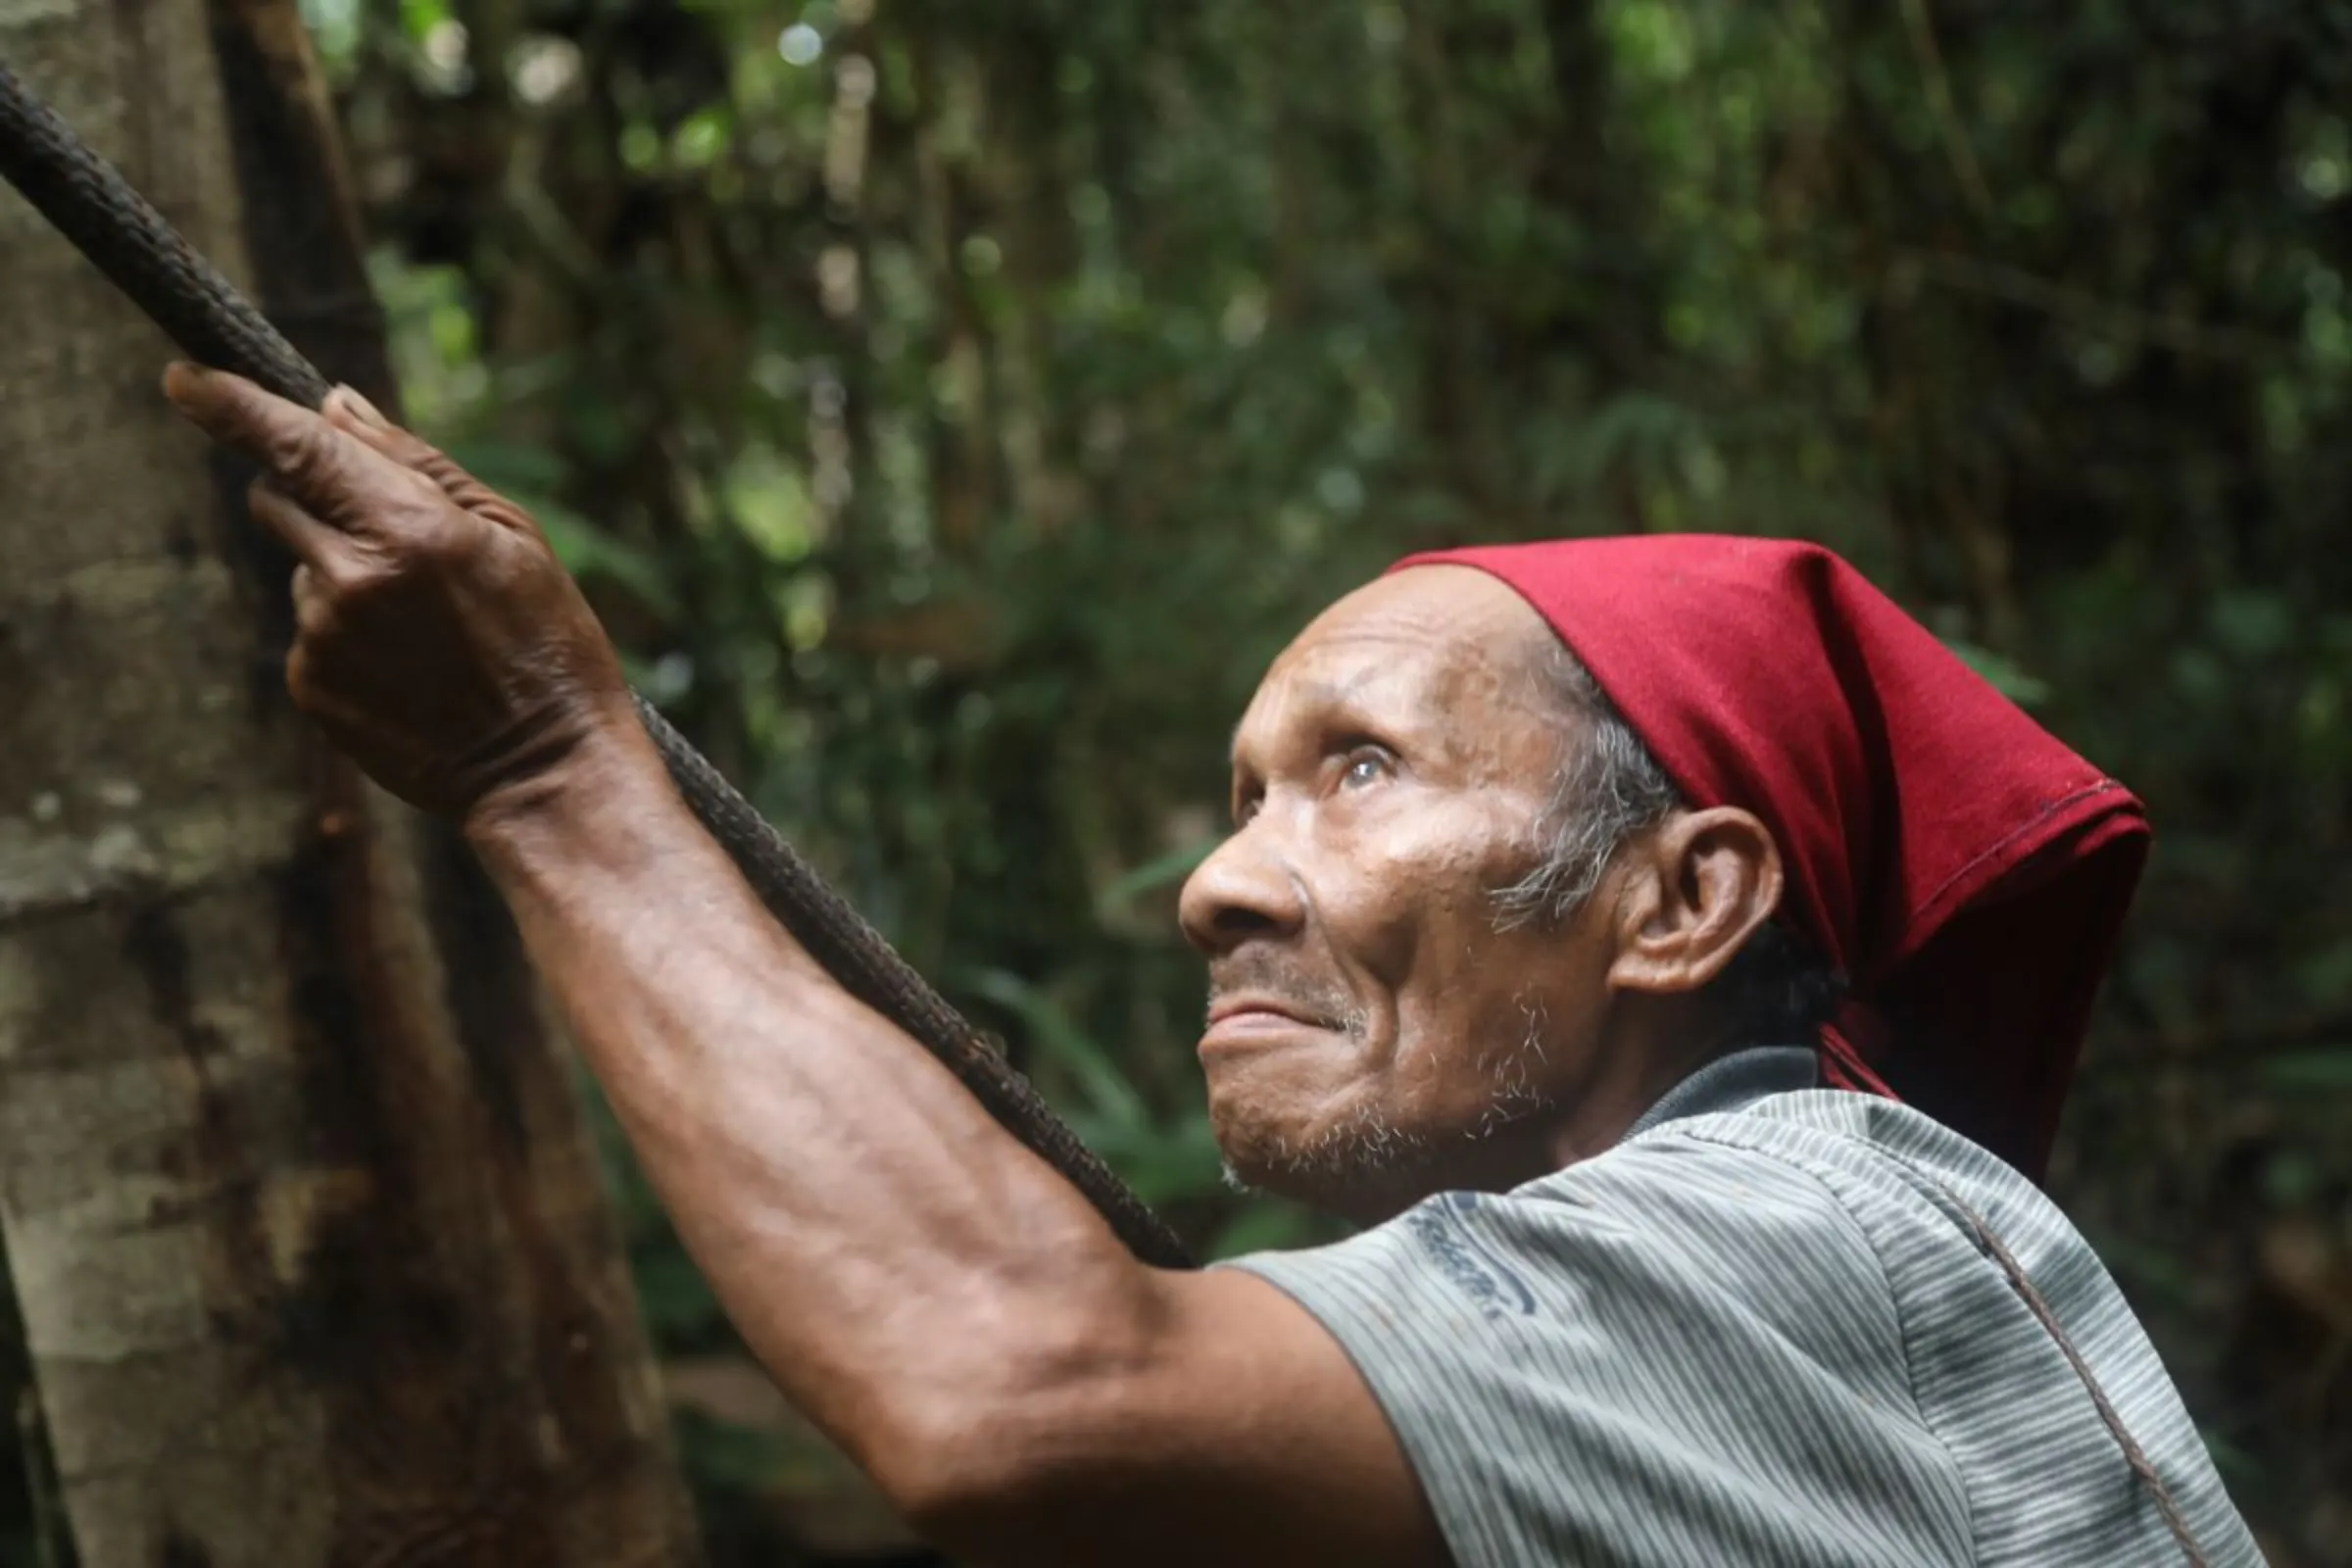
[1609, 789]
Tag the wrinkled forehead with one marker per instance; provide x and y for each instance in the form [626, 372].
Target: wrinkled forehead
[1449, 644]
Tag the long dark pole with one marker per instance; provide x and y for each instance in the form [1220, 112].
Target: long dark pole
[88, 201]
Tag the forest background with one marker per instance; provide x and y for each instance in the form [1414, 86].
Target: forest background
[951, 407]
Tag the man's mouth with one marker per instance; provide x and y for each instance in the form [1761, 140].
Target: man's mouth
[1235, 1023]
[1229, 1008]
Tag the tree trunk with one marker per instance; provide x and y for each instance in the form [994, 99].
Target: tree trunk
[313, 1258]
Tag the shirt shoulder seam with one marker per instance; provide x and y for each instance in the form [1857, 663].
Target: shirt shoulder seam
[1682, 1127]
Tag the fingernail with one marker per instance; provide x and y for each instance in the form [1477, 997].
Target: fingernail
[365, 412]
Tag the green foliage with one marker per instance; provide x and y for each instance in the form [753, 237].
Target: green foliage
[953, 408]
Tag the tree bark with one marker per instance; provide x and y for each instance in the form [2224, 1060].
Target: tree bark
[313, 1257]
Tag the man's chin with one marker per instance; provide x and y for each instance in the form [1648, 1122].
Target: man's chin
[1361, 1170]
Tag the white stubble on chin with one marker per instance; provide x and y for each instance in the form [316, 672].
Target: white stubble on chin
[1368, 1152]
[1364, 1151]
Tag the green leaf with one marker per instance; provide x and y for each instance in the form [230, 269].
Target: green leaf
[589, 551]
[1177, 1165]
[1155, 874]
[419, 17]
[2006, 674]
[1266, 1225]
[508, 466]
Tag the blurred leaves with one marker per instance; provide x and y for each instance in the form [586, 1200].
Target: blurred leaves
[952, 409]
[2324, 1070]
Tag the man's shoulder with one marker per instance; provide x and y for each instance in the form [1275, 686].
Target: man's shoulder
[1664, 1318]
[1799, 1156]
[1806, 1263]
[1797, 1192]
[1759, 1155]
[1854, 1149]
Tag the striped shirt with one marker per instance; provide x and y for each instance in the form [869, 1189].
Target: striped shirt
[1756, 1331]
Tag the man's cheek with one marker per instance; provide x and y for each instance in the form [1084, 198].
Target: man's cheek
[1372, 906]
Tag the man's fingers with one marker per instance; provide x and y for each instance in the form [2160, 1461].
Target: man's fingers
[347, 411]
[354, 414]
[235, 411]
[320, 549]
[345, 398]
[333, 476]
[313, 611]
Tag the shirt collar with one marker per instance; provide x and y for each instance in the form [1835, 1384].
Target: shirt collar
[1729, 1083]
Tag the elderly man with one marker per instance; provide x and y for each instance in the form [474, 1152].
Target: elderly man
[1548, 864]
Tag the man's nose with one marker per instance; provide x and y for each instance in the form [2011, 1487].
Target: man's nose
[1242, 891]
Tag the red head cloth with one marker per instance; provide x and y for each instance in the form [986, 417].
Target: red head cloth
[1967, 872]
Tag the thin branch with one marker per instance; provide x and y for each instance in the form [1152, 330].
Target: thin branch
[1957, 148]
[2015, 286]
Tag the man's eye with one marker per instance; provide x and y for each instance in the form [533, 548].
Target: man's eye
[1365, 765]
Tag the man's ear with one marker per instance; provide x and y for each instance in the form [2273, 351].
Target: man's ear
[1689, 895]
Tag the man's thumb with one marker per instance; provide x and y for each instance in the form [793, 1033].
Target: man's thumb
[350, 400]
[348, 411]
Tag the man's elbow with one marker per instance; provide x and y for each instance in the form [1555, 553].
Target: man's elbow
[997, 1488]
[1029, 1467]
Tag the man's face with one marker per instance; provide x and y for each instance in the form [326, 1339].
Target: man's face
[1373, 1036]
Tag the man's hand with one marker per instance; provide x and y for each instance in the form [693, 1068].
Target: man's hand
[439, 641]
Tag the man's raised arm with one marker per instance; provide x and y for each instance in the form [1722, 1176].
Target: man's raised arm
[923, 1287]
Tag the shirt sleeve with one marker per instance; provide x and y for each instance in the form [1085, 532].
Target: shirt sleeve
[1675, 1354]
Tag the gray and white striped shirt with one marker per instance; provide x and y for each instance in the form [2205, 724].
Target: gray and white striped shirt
[1757, 1332]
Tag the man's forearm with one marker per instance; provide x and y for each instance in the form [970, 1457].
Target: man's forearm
[926, 1290]
[900, 1264]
